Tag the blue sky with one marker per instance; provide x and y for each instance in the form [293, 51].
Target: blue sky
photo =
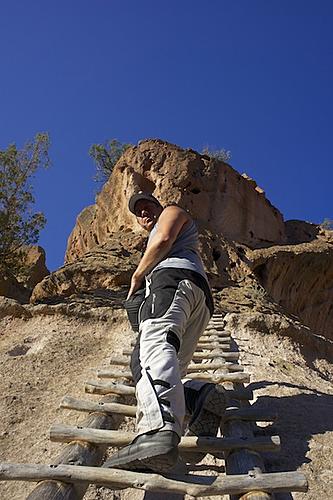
[254, 77]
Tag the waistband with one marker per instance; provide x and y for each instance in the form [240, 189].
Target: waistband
[177, 275]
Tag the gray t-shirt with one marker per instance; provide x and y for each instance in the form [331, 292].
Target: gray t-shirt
[184, 253]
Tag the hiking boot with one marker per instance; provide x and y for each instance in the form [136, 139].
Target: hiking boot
[208, 408]
[155, 452]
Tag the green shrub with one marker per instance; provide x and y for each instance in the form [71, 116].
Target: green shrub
[327, 224]
[218, 154]
[106, 156]
[19, 225]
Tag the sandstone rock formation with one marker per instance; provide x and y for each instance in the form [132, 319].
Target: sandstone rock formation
[11, 288]
[217, 196]
[20, 287]
[108, 267]
[300, 278]
[243, 240]
[36, 267]
[12, 308]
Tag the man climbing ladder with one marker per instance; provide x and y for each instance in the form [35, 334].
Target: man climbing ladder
[177, 307]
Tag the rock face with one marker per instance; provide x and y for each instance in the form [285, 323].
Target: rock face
[300, 278]
[298, 231]
[108, 266]
[243, 240]
[12, 308]
[218, 197]
[36, 267]
[20, 287]
[11, 288]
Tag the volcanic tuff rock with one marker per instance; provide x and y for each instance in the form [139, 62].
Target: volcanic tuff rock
[36, 267]
[19, 287]
[243, 240]
[299, 231]
[108, 266]
[11, 288]
[300, 278]
[217, 196]
[12, 308]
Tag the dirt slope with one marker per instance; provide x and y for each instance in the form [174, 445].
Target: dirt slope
[48, 356]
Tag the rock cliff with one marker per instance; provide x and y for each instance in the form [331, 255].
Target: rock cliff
[273, 280]
[300, 278]
[218, 197]
[244, 242]
[20, 286]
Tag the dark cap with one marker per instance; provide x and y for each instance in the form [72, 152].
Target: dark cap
[141, 196]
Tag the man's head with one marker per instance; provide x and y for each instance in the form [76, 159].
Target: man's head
[146, 209]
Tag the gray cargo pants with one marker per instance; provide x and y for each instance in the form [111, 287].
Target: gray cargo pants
[176, 310]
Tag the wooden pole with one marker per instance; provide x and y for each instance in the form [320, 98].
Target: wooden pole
[77, 404]
[212, 344]
[249, 414]
[78, 453]
[213, 365]
[242, 461]
[232, 367]
[218, 378]
[209, 345]
[67, 433]
[213, 332]
[98, 387]
[217, 327]
[222, 341]
[196, 486]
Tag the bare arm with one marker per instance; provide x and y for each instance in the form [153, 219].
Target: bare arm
[170, 223]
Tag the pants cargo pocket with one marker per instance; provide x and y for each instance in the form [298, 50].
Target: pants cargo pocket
[149, 414]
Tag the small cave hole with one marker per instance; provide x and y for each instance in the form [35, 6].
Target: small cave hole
[240, 251]
[260, 272]
[195, 191]
[216, 255]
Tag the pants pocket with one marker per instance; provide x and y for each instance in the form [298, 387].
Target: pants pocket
[149, 414]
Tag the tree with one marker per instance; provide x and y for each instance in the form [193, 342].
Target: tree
[218, 154]
[327, 224]
[106, 156]
[19, 225]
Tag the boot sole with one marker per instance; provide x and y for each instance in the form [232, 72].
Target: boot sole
[208, 419]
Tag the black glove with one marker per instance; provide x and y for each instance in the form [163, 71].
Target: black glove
[132, 306]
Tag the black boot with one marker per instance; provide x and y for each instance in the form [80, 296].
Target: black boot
[207, 407]
[156, 451]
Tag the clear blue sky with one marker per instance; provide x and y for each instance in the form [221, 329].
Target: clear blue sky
[254, 77]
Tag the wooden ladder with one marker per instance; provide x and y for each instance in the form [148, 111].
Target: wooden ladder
[244, 474]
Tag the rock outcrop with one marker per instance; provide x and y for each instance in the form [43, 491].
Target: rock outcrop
[13, 309]
[35, 264]
[243, 240]
[11, 288]
[300, 278]
[19, 287]
[299, 231]
[107, 267]
[217, 196]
